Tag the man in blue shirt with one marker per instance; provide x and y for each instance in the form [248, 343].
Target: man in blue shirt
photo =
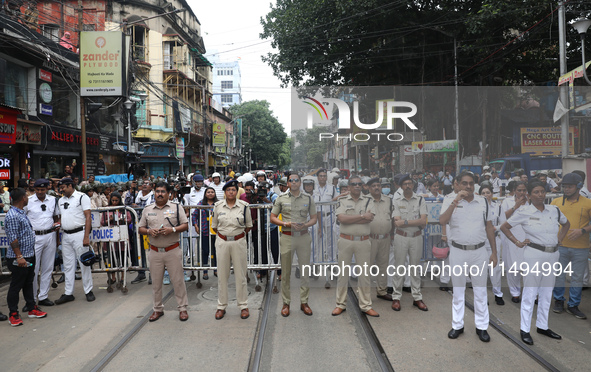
[21, 258]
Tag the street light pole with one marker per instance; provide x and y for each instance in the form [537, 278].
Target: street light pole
[457, 109]
[563, 88]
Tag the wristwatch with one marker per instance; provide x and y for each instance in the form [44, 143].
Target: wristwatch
[173, 229]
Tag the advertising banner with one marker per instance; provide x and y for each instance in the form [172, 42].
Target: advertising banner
[219, 135]
[102, 61]
[435, 146]
[180, 147]
[545, 141]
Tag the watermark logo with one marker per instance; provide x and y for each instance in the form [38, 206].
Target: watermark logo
[384, 109]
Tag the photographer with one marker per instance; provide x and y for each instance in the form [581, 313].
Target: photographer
[262, 196]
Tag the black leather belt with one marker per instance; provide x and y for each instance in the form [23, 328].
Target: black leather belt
[544, 248]
[73, 231]
[468, 247]
[43, 232]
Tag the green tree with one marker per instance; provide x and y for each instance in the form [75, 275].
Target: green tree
[307, 150]
[379, 42]
[261, 131]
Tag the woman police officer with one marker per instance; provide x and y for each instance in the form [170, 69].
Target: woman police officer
[540, 223]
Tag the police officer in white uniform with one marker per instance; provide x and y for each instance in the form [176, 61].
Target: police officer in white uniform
[540, 223]
[43, 213]
[76, 224]
[469, 220]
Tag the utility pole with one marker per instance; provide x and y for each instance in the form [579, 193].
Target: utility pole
[563, 88]
[82, 110]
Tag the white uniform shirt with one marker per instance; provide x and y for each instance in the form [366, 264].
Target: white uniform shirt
[507, 204]
[399, 194]
[41, 220]
[324, 194]
[194, 197]
[541, 227]
[551, 182]
[421, 189]
[585, 192]
[467, 226]
[73, 216]
[496, 183]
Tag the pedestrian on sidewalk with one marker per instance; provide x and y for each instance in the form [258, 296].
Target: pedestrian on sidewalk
[21, 258]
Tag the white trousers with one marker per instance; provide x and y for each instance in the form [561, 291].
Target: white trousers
[45, 258]
[495, 274]
[475, 261]
[513, 257]
[537, 284]
[71, 251]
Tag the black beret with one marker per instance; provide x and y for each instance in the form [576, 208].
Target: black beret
[403, 177]
[232, 183]
[372, 181]
[41, 182]
[66, 181]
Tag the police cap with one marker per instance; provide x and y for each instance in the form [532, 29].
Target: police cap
[372, 181]
[232, 183]
[41, 182]
[66, 181]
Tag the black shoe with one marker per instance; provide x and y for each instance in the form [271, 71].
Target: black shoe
[499, 300]
[90, 297]
[455, 333]
[61, 279]
[516, 299]
[78, 277]
[65, 298]
[558, 307]
[3, 317]
[138, 279]
[548, 332]
[46, 302]
[526, 337]
[390, 290]
[574, 310]
[483, 335]
[297, 272]
[406, 289]
[445, 289]
[150, 280]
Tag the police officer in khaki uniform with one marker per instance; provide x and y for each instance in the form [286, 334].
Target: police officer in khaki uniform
[380, 237]
[354, 212]
[163, 221]
[299, 213]
[410, 217]
[231, 222]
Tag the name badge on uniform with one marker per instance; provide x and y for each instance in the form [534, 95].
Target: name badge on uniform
[152, 214]
[459, 206]
[221, 214]
[402, 207]
[534, 218]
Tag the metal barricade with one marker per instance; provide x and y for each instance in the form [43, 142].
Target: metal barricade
[109, 238]
[198, 243]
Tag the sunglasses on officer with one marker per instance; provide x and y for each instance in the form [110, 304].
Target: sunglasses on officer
[355, 183]
[294, 180]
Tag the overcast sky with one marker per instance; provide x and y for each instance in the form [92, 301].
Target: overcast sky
[232, 28]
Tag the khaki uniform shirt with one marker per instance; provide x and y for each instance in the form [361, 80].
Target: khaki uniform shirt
[409, 210]
[231, 221]
[347, 205]
[294, 209]
[154, 217]
[382, 223]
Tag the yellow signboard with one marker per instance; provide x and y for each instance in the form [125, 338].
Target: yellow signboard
[219, 135]
[545, 141]
[102, 61]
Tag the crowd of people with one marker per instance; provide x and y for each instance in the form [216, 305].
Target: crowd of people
[323, 217]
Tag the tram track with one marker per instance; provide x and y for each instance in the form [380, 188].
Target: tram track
[495, 323]
[254, 363]
[372, 338]
[104, 362]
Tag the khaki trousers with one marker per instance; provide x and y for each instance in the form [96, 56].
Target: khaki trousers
[413, 247]
[289, 246]
[362, 252]
[380, 253]
[233, 252]
[173, 260]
